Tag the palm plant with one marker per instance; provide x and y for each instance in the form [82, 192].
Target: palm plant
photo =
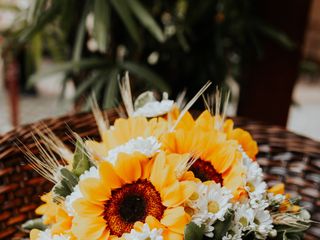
[161, 43]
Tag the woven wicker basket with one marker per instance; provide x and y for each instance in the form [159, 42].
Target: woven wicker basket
[285, 157]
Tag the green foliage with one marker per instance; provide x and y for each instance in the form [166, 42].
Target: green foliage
[222, 227]
[81, 161]
[193, 232]
[193, 41]
[64, 187]
[36, 223]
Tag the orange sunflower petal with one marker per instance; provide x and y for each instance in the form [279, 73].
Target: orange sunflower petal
[177, 193]
[128, 167]
[108, 175]
[87, 209]
[175, 219]
[93, 190]
[87, 228]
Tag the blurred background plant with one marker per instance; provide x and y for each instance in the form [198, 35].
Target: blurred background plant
[164, 44]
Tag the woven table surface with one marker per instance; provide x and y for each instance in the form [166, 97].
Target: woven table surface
[284, 156]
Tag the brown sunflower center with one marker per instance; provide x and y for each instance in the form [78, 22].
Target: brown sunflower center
[206, 172]
[130, 203]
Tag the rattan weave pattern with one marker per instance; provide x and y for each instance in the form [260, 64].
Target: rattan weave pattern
[285, 157]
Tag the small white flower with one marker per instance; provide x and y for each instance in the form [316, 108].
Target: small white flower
[255, 186]
[244, 216]
[154, 108]
[146, 234]
[209, 203]
[234, 234]
[147, 146]
[263, 223]
[76, 194]
[275, 199]
[47, 235]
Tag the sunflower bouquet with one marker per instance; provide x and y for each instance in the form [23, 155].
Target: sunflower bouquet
[160, 174]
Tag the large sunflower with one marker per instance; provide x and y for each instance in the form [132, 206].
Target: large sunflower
[125, 130]
[219, 159]
[135, 189]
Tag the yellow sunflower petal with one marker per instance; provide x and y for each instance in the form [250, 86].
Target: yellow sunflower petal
[108, 175]
[63, 222]
[226, 154]
[205, 121]
[186, 122]
[87, 209]
[177, 193]
[245, 140]
[277, 189]
[175, 219]
[161, 175]
[234, 179]
[87, 228]
[128, 167]
[94, 190]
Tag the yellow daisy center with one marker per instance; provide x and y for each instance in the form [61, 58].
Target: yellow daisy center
[206, 172]
[130, 203]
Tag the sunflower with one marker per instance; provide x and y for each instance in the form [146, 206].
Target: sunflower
[208, 122]
[124, 133]
[219, 159]
[134, 189]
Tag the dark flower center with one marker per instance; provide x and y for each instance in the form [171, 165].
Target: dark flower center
[132, 208]
[206, 172]
[130, 203]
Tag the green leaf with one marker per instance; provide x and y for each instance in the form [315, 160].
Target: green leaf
[81, 161]
[101, 24]
[182, 40]
[121, 6]
[36, 223]
[222, 227]
[65, 187]
[71, 177]
[146, 74]
[276, 35]
[85, 84]
[193, 232]
[78, 46]
[41, 21]
[67, 66]
[111, 89]
[146, 19]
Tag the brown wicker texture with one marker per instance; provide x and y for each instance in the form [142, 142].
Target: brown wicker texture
[285, 157]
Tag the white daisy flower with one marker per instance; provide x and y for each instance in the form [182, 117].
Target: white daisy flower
[47, 235]
[154, 109]
[146, 234]
[244, 216]
[209, 203]
[76, 194]
[263, 223]
[147, 146]
[255, 186]
[146, 105]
